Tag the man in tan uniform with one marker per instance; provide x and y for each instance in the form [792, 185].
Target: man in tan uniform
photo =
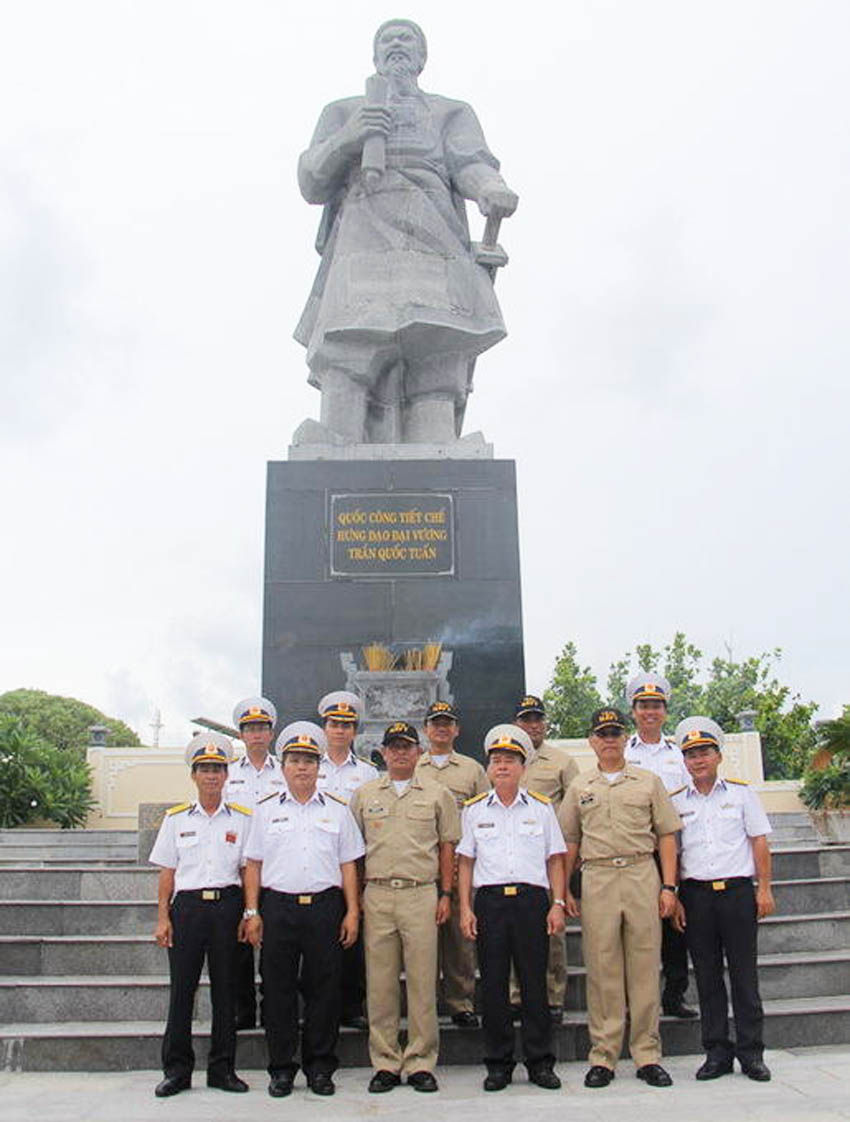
[464, 778]
[613, 817]
[411, 827]
[549, 773]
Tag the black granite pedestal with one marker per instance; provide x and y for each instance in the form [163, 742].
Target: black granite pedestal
[397, 552]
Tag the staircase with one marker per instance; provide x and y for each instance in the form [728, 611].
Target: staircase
[84, 988]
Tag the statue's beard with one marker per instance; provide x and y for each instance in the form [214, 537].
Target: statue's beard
[400, 71]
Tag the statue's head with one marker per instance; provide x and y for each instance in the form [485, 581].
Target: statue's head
[400, 47]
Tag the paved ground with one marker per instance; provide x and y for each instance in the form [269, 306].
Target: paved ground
[809, 1085]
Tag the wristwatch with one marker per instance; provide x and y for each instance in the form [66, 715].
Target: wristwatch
[560, 903]
[445, 892]
[249, 913]
[674, 888]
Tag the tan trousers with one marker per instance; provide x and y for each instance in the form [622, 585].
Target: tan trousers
[456, 961]
[556, 973]
[621, 940]
[400, 933]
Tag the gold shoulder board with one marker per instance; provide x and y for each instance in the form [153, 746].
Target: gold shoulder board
[265, 798]
[740, 782]
[540, 798]
[678, 790]
[475, 798]
[178, 808]
[241, 809]
[336, 798]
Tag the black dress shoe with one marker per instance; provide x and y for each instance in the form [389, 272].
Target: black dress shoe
[758, 1070]
[465, 1020]
[230, 1081]
[383, 1081]
[556, 1014]
[320, 1083]
[422, 1081]
[680, 1010]
[497, 1080]
[598, 1076]
[654, 1075]
[281, 1085]
[544, 1077]
[713, 1069]
[172, 1085]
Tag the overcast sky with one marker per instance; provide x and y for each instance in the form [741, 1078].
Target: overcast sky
[674, 387]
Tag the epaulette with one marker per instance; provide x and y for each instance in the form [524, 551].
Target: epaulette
[241, 809]
[475, 798]
[265, 798]
[178, 808]
[336, 798]
[678, 790]
[540, 798]
[740, 782]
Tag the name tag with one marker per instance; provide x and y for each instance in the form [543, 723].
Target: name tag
[375, 812]
[281, 825]
[587, 798]
[185, 840]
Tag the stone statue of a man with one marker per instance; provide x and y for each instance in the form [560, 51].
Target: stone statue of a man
[399, 309]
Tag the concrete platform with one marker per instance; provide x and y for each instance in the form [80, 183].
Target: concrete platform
[809, 1085]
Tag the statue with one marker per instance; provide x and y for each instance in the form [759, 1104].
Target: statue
[403, 302]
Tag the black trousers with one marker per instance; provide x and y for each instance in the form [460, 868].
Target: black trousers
[304, 936]
[512, 929]
[353, 991]
[724, 923]
[202, 929]
[246, 995]
[674, 960]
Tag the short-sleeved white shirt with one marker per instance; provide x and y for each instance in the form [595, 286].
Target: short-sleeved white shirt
[246, 785]
[663, 759]
[716, 830]
[205, 850]
[510, 844]
[302, 845]
[343, 780]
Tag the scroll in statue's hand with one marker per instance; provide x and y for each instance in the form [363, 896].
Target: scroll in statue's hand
[368, 120]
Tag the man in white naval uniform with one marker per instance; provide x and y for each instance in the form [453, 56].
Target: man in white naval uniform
[723, 846]
[648, 694]
[252, 777]
[341, 772]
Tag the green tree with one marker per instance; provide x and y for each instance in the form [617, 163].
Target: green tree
[40, 781]
[782, 718]
[62, 722]
[571, 697]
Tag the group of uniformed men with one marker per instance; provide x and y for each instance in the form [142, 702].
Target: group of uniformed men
[440, 859]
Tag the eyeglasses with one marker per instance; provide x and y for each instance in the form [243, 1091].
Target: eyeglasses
[609, 734]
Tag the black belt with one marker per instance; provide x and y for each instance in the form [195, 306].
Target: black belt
[303, 898]
[719, 885]
[509, 889]
[210, 894]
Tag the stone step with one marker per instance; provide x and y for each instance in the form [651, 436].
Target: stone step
[135, 1045]
[811, 861]
[28, 959]
[80, 882]
[104, 920]
[12, 856]
[803, 896]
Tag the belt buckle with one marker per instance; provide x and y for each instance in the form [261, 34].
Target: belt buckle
[397, 882]
[719, 885]
[509, 890]
[619, 862]
[209, 894]
[305, 899]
